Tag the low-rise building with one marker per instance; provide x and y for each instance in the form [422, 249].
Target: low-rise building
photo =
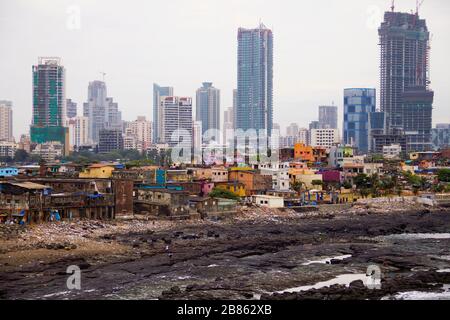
[98, 170]
[237, 188]
[268, 201]
[8, 172]
[303, 152]
[219, 174]
[162, 203]
[255, 183]
[373, 168]
[392, 152]
[49, 151]
[33, 202]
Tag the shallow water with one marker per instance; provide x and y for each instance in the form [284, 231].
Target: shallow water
[327, 260]
[415, 236]
[343, 279]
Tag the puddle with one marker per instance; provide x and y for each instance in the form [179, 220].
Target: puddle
[443, 270]
[420, 295]
[343, 279]
[327, 260]
[415, 236]
[61, 293]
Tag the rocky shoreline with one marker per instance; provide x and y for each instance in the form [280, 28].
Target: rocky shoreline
[246, 257]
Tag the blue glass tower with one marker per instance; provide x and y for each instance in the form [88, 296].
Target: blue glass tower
[359, 103]
[255, 74]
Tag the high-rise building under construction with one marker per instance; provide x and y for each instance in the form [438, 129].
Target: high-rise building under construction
[404, 78]
[49, 103]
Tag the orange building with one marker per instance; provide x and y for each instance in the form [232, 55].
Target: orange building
[303, 152]
[254, 182]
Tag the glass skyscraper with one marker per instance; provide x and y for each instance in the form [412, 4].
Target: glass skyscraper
[102, 111]
[404, 77]
[359, 103]
[208, 107]
[254, 94]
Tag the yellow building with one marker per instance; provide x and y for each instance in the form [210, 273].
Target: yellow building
[236, 187]
[98, 170]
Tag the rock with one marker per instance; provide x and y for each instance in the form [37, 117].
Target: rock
[357, 284]
[84, 265]
[191, 287]
[335, 261]
[175, 289]
[247, 295]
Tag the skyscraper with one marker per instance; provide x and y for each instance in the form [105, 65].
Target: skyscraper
[404, 78]
[176, 114]
[328, 117]
[255, 74]
[6, 124]
[235, 96]
[78, 131]
[228, 124]
[158, 92]
[141, 130]
[208, 107]
[441, 136]
[197, 140]
[110, 140]
[102, 111]
[292, 130]
[49, 102]
[71, 109]
[358, 104]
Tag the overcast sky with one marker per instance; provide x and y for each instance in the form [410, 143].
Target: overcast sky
[320, 48]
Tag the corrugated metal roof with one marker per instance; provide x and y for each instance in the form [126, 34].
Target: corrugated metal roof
[29, 185]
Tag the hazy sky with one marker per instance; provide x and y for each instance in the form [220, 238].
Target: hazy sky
[320, 48]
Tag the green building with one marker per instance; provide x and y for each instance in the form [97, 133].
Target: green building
[49, 102]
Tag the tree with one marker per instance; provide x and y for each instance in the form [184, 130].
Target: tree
[297, 186]
[362, 181]
[21, 156]
[223, 193]
[317, 182]
[347, 185]
[444, 175]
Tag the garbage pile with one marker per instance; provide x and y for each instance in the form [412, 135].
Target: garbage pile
[385, 205]
[256, 212]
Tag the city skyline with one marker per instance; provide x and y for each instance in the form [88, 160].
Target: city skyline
[294, 99]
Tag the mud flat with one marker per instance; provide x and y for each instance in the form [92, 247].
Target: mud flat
[252, 256]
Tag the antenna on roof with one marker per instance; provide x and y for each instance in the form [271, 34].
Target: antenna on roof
[418, 5]
[393, 5]
[103, 75]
